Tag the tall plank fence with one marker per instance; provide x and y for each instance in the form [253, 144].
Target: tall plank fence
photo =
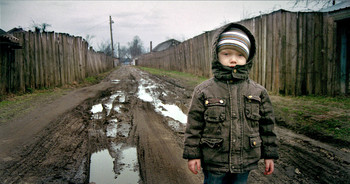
[296, 54]
[49, 60]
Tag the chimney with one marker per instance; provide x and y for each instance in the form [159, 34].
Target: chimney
[150, 46]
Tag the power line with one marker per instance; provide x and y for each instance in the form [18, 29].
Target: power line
[93, 27]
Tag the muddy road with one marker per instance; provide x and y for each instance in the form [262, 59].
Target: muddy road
[129, 129]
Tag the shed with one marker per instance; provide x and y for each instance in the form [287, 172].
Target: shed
[341, 16]
[8, 44]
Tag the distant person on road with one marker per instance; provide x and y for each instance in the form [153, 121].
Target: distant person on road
[230, 123]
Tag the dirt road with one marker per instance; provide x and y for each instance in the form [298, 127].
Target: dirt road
[129, 129]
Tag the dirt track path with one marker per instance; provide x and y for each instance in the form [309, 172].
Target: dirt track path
[62, 146]
[25, 128]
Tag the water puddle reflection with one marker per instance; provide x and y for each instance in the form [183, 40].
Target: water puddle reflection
[112, 128]
[101, 168]
[129, 166]
[117, 163]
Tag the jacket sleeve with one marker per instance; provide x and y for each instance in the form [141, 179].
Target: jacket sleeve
[266, 128]
[194, 128]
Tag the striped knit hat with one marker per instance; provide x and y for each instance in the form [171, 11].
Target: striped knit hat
[234, 39]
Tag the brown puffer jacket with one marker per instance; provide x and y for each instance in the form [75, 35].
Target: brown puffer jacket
[230, 120]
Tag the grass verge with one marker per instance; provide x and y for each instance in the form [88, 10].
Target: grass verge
[14, 105]
[320, 117]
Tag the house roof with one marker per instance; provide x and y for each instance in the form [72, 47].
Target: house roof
[165, 45]
[8, 39]
[15, 30]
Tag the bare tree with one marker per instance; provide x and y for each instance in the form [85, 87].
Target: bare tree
[89, 38]
[44, 26]
[324, 3]
[106, 48]
[136, 47]
[40, 27]
[124, 53]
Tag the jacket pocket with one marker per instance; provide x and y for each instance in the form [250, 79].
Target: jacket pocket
[211, 142]
[212, 151]
[253, 149]
[254, 142]
[215, 111]
[252, 107]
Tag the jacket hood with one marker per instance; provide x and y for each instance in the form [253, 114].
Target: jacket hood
[239, 72]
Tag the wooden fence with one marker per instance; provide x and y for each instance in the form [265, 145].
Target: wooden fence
[296, 54]
[49, 60]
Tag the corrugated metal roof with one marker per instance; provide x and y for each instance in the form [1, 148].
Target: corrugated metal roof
[165, 45]
[338, 6]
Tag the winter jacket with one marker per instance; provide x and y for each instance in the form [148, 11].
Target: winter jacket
[230, 121]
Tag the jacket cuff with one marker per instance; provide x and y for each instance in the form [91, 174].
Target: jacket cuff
[191, 153]
[271, 153]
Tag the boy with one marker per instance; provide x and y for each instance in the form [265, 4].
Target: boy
[230, 120]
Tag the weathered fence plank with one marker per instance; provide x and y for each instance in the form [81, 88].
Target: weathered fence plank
[48, 60]
[295, 54]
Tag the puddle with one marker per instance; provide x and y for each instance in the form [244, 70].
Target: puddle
[117, 108]
[116, 81]
[97, 111]
[124, 129]
[108, 105]
[101, 168]
[172, 111]
[117, 164]
[129, 172]
[175, 125]
[147, 92]
[112, 128]
[121, 96]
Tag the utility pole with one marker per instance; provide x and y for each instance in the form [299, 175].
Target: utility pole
[110, 27]
[118, 50]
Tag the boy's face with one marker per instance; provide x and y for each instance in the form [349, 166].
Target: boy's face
[231, 58]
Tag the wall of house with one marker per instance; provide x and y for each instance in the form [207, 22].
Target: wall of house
[296, 54]
[49, 60]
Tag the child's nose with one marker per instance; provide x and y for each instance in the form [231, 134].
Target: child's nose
[233, 59]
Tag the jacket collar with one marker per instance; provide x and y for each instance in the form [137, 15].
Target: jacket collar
[239, 72]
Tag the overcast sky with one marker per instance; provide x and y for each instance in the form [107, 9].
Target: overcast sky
[155, 21]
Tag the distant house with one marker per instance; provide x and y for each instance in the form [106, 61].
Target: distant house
[15, 30]
[126, 61]
[8, 41]
[165, 45]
